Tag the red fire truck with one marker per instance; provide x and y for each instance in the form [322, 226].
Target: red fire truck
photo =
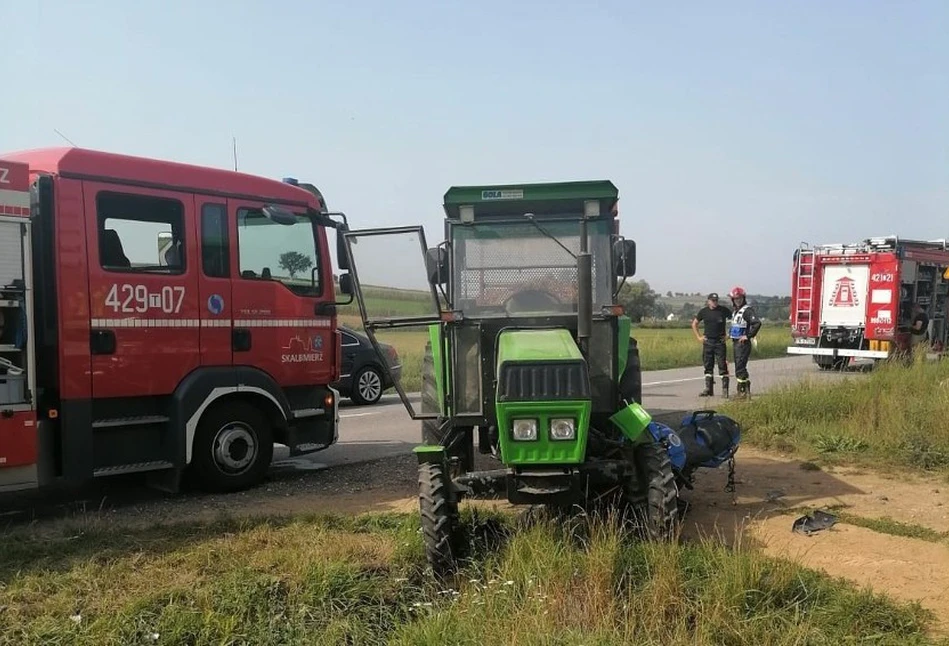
[160, 317]
[853, 301]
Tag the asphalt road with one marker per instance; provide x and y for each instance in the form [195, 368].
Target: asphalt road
[385, 429]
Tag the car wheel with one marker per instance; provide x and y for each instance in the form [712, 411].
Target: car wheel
[367, 386]
[233, 447]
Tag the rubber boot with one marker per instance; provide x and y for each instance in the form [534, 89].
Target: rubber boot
[725, 386]
[744, 388]
[709, 387]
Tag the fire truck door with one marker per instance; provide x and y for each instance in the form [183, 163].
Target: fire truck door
[279, 285]
[143, 289]
[215, 233]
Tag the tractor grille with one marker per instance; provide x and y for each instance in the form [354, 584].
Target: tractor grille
[543, 381]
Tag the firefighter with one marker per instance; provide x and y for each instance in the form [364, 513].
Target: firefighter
[713, 317]
[744, 327]
[919, 329]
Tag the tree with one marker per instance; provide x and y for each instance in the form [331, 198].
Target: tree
[294, 262]
[639, 300]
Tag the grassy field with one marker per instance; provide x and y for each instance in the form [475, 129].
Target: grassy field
[361, 581]
[894, 416]
[659, 348]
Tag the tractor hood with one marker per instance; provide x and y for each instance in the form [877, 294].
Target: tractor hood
[537, 345]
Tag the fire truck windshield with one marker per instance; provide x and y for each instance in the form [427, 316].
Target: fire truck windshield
[281, 246]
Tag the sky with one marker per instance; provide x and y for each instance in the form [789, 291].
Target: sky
[733, 130]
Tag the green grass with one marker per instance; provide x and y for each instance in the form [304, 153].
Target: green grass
[660, 348]
[362, 581]
[893, 417]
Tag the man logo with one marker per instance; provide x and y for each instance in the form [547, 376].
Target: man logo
[215, 304]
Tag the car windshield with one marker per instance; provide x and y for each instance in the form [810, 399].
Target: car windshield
[509, 269]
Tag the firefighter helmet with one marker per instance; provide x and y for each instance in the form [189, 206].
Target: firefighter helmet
[737, 292]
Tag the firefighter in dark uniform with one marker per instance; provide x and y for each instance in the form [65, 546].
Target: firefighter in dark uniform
[744, 327]
[713, 317]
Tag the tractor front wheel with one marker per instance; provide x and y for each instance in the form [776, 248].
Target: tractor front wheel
[439, 511]
[653, 492]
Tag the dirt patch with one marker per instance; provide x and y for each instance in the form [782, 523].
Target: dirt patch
[905, 568]
[772, 491]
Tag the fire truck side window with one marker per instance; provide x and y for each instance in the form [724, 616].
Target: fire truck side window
[214, 241]
[286, 253]
[138, 233]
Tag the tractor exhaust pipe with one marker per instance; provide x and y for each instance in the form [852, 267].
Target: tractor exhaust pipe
[584, 292]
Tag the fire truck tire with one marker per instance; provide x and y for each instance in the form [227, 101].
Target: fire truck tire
[233, 447]
[830, 363]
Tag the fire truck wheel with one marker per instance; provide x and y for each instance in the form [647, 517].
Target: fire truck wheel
[367, 386]
[233, 447]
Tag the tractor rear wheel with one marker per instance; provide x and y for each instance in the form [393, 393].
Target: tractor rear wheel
[653, 492]
[439, 511]
[631, 383]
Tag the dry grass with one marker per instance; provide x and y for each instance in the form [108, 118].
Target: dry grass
[362, 581]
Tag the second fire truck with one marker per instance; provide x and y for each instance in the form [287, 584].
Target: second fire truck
[855, 301]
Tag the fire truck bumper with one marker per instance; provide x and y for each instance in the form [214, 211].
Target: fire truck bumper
[838, 352]
[315, 429]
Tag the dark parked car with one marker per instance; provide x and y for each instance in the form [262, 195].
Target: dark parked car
[363, 377]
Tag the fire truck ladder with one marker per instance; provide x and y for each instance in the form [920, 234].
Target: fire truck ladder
[804, 294]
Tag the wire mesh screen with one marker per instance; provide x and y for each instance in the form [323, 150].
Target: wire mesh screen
[496, 262]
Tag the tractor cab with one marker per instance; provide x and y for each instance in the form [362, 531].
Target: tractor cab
[512, 257]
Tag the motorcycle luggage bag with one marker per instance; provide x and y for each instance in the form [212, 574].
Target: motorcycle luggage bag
[709, 439]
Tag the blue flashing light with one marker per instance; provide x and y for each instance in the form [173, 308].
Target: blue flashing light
[291, 180]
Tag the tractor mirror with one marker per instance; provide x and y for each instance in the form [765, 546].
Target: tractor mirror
[436, 265]
[346, 284]
[624, 251]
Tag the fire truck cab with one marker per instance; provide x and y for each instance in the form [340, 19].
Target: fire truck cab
[855, 301]
[160, 317]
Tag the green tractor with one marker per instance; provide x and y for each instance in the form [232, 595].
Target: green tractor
[529, 359]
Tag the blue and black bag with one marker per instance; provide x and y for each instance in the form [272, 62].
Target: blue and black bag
[709, 439]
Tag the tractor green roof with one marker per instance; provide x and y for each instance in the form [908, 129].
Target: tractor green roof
[512, 200]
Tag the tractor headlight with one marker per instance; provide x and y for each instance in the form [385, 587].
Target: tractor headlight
[562, 429]
[525, 430]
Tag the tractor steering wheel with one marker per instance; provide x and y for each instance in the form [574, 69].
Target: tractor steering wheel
[530, 300]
